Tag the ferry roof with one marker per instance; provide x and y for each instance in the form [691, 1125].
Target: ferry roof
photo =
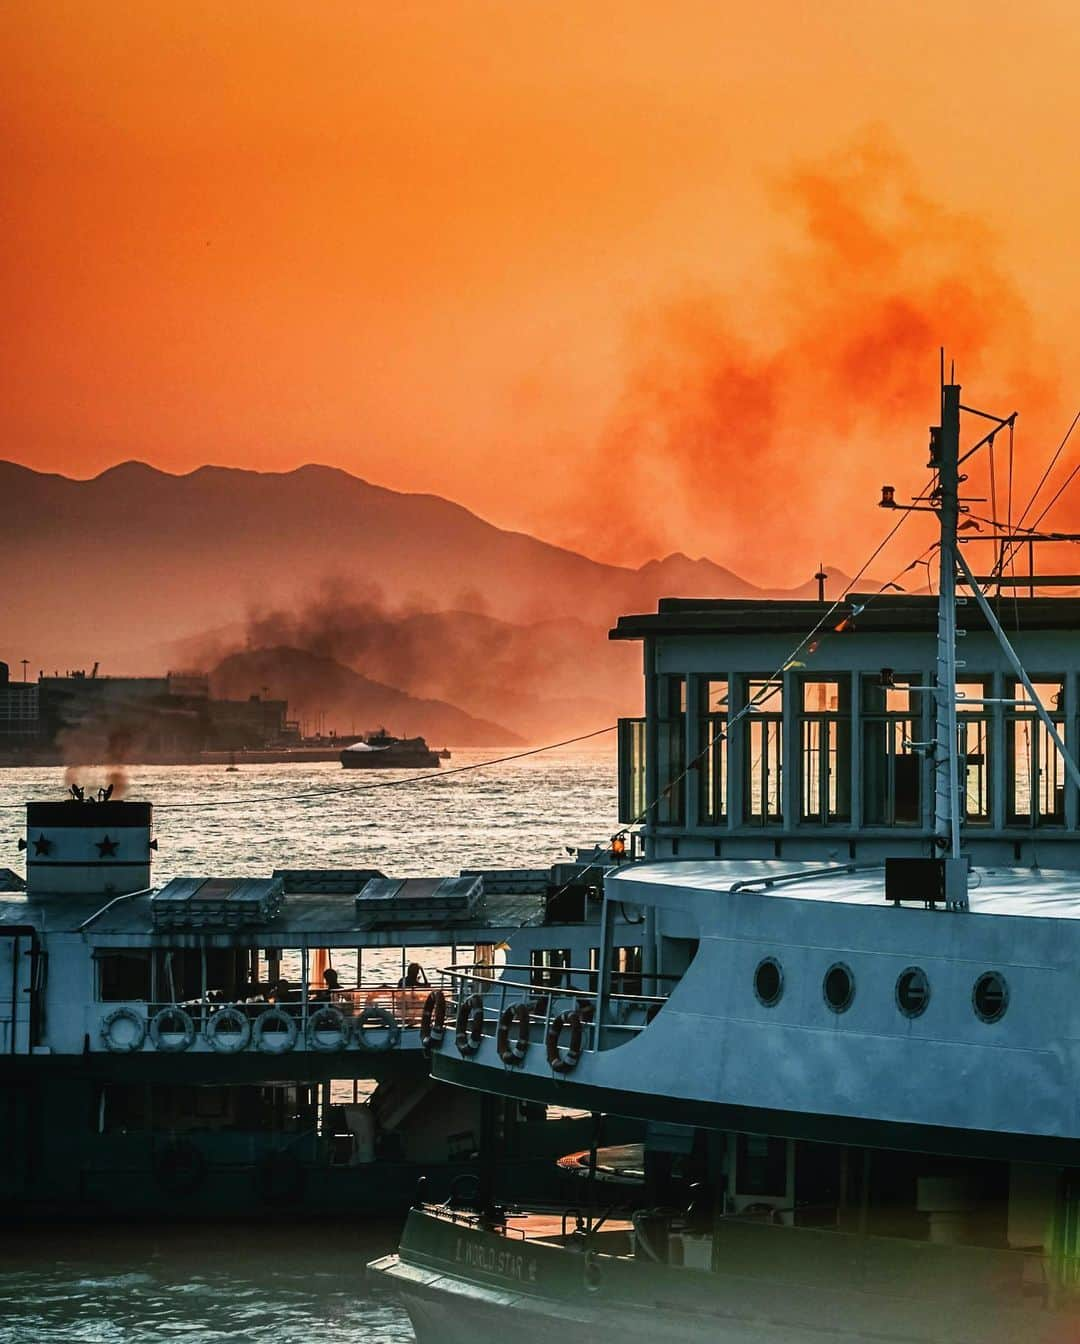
[894, 614]
[302, 919]
[994, 890]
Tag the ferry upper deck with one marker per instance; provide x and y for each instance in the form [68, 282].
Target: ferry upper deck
[834, 760]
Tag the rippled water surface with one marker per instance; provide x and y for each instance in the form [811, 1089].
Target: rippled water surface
[269, 1284]
[246, 1285]
[519, 814]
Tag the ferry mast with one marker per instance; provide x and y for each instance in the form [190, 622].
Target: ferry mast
[945, 458]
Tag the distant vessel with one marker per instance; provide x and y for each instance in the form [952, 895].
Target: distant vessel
[381, 751]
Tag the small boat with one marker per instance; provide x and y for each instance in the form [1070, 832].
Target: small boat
[381, 751]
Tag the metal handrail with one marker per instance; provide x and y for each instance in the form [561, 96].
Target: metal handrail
[563, 991]
[458, 968]
[550, 994]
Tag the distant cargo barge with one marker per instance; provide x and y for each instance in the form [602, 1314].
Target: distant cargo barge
[380, 751]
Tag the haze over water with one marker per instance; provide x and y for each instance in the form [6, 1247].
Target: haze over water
[270, 1282]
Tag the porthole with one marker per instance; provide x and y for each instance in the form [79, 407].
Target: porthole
[990, 997]
[912, 992]
[769, 982]
[838, 987]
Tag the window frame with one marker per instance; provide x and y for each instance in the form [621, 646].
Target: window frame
[896, 726]
[714, 802]
[834, 726]
[769, 760]
[1039, 743]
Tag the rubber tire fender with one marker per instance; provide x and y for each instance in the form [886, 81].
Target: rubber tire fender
[258, 1031]
[232, 1042]
[123, 1015]
[327, 1018]
[381, 1017]
[174, 1014]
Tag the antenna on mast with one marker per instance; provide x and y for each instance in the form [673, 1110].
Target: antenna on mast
[945, 458]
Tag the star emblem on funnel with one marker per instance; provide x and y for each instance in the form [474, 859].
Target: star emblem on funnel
[42, 846]
[107, 848]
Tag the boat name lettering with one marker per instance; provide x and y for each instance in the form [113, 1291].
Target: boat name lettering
[495, 1261]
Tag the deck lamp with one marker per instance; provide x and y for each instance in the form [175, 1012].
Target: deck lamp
[888, 497]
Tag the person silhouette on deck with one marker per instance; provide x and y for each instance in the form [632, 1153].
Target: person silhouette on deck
[414, 977]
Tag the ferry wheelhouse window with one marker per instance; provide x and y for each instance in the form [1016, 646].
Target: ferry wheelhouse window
[891, 771]
[123, 975]
[974, 729]
[712, 747]
[549, 966]
[671, 751]
[826, 750]
[626, 970]
[1036, 772]
[632, 800]
[764, 729]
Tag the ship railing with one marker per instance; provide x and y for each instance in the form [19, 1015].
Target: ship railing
[549, 991]
[571, 1218]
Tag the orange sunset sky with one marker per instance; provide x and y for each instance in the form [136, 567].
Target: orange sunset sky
[633, 276]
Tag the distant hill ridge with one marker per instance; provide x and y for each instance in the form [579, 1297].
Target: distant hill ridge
[137, 560]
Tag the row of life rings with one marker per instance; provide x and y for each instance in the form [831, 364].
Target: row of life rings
[228, 1031]
[515, 1028]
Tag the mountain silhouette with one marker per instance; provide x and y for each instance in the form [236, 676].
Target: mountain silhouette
[144, 570]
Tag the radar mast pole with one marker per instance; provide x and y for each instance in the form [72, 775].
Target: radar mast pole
[945, 457]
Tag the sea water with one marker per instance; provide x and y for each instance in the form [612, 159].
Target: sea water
[269, 1283]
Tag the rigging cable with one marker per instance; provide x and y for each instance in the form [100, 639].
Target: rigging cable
[301, 795]
[769, 683]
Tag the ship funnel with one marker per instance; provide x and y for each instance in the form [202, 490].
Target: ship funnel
[88, 848]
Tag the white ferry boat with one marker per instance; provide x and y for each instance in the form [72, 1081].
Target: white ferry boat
[255, 1047]
[854, 1044]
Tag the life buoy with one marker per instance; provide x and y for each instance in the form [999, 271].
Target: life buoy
[179, 1168]
[172, 1030]
[376, 1017]
[228, 1031]
[556, 1059]
[278, 1022]
[327, 1022]
[433, 1020]
[129, 1037]
[469, 1025]
[512, 1051]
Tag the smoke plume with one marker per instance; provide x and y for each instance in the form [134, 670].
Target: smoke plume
[540, 680]
[757, 428]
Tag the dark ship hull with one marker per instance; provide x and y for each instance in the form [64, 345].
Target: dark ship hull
[390, 758]
[381, 751]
